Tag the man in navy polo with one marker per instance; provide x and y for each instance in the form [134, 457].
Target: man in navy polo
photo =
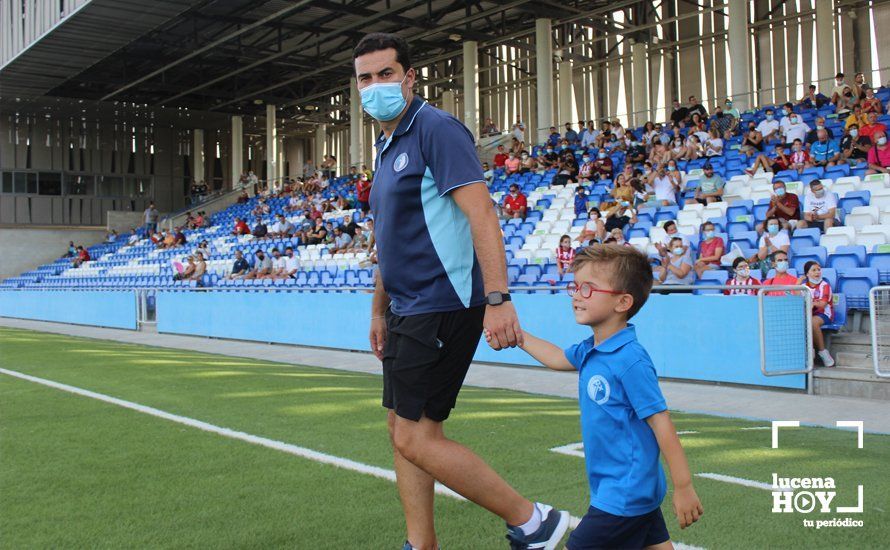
[441, 279]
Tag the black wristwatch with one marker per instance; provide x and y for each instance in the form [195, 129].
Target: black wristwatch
[497, 298]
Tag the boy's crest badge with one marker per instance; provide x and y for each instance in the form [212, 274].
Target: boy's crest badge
[598, 390]
[401, 162]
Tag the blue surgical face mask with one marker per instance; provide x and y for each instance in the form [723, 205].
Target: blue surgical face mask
[678, 251]
[585, 159]
[602, 155]
[384, 101]
[549, 150]
[709, 234]
[782, 266]
[773, 229]
[769, 117]
[671, 168]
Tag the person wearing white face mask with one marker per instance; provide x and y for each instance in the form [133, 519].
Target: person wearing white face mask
[879, 155]
[430, 203]
[769, 127]
[781, 277]
[819, 207]
[823, 312]
[594, 228]
[741, 277]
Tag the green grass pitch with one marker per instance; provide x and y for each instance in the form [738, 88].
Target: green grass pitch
[76, 472]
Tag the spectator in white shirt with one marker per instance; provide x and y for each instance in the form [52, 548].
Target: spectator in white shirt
[342, 241]
[819, 207]
[794, 128]
[774, 239]
[671, 232]
[589, 139]
[282, 228]
[291, 263]
[769, 127]
[714, 145]
[279, 265]
[666, 184]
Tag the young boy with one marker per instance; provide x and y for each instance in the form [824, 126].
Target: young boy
[624, 418]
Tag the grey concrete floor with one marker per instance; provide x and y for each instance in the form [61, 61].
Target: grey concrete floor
[748, 403]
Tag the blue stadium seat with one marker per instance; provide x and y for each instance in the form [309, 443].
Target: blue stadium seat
[805, 237]
[806, 254]
[847, 257]
[854, 199]
[839, 304]
[855, 284]
[880, 260]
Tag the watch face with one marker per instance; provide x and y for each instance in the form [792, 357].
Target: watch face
[495, 299]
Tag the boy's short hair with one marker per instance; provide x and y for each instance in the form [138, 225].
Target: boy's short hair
[630, 270]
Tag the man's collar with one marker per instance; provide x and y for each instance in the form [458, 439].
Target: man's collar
[416, 104]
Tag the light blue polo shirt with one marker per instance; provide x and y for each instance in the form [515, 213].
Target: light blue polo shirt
[618, 389]
[425, 248]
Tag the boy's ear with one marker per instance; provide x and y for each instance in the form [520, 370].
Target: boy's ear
[624, 303]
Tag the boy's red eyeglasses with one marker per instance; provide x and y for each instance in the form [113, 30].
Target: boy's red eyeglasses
[587, 290]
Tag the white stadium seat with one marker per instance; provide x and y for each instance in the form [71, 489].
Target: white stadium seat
[862, 216]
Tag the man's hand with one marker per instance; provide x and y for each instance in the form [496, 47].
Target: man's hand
[502, 326]
[377, 337]
[687, 506]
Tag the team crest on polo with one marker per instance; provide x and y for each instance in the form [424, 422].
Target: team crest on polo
[598, 390]
[400, 163]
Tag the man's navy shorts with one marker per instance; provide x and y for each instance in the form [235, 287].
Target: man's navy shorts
[425, 360]
[600, 529]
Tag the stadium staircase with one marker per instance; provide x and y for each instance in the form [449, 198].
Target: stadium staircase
[854, 374]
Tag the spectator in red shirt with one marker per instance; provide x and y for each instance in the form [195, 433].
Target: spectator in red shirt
[800, 158]
[515, 204]
[879, 155]
[782, 277]
[873, 127]
[565, 255]
[512, 164]
[742, 277]
[823, 312]
[500, 158]
[241, 228]
[783, 205]
[779, 163]
[83, 255]
[709, 250]
[603, 166]
[363, 193]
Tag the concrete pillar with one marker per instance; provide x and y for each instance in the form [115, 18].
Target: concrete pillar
[740, 59]
[356, 119]
[321, 134]
[640, 69]
[471, 86]
[825, 60]
[448, 104]
[271, 145]
[198, 155]
[566, 85]
[279, 164]
[544, 79]
[237, 150]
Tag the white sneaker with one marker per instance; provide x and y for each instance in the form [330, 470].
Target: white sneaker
[826, 357]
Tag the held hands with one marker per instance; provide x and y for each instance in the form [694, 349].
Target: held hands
[502, 328]
[687, 506]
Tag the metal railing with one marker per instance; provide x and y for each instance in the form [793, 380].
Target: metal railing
[879, 306]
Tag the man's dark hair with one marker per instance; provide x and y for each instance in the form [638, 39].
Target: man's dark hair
[377, 41]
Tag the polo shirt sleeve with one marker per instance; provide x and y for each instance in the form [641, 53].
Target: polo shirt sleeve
[641, 386]
[449, 151]
[575, 354]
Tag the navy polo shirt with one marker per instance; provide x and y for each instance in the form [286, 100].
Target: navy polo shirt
[618, 389]
[424, 246]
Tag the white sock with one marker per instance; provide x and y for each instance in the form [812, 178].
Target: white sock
[533, 524]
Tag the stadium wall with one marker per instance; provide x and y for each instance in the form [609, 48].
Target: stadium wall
[708, 338]
[22, 248]
[114, 309]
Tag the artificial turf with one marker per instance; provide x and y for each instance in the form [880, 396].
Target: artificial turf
[76, 472]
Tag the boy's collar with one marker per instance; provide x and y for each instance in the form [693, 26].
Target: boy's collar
[617, 340]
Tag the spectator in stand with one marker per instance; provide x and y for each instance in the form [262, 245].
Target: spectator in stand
[879, 155]
[565, 255]
[752, 143]
[529, 163]
[82, 255]
[774, 239]
[241, 227]
[294, 203]
[617, 129]
[859, 86]
[782, 277]
[636, 152]
[671, 233]
[515, 204]
[72, 250]
[519, 129]
[581, 198]
[329, 237]
[780, 162]
[813, 99]
[696, 108]
[855, 147]
[512, 164]
[616, 236]
[823, 312]
[134, 237]
[605, 134]
[200, 268]
[490, 128]
[151, 218]
[517, 147]
[291, 263]
[725, 121]
[262, 267]
[784, 207]
[317, 234]
[819, 207]
[204, 249]
[813, 135]
[594, 228]
[582, 131]
[800, 158]
[570, 135]
[603, 166]
[741, 277]
[359, 241]
[567, 169]
[363, 193]
[839, 86]
[709, 188]
[676, 268]
[260, 230]
[278, 265]
[282, 228]
[769, 127]
[714, 145]
[111, 236]
[825, 152]
[243, 198]
[488, 174]
[348, 226]
[554, 137]
[873, 126]
[178, 238]
[710, 250]
[240, 268]
[550, 159]
[590, 136]
[186, 273]
[169, 240]
[846, 102]
[793, 128]
[500, 157]
[679, 113]
[666, 185]
[856, 117]
[871, 104]
[342, 241]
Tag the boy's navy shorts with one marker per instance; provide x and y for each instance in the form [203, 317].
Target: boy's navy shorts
[600, 529]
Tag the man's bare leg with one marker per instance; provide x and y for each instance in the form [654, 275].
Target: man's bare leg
[424, 444]
[416, 491]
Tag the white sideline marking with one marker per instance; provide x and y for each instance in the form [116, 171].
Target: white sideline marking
[572, 449]
[295, 450]
[687, 432]
[740, 481]
[757, 428]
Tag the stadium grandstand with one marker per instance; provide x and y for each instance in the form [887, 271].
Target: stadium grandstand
[204, 168]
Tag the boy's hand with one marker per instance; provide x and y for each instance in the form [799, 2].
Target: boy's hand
[687, 506]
